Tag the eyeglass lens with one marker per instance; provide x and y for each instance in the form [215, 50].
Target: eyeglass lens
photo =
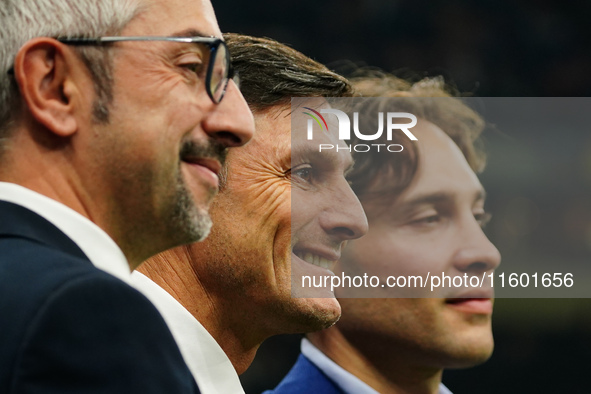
[219, 73]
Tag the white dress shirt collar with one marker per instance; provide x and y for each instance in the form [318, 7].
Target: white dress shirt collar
[346, 381]
[210, 366]
[100, 249]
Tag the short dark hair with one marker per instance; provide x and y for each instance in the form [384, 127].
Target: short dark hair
[271, 73]
[462, 124]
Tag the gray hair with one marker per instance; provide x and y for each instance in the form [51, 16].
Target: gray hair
[23, 20]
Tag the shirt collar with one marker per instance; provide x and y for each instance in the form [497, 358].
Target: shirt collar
[209, 364]
[100, 249]
[346, 381]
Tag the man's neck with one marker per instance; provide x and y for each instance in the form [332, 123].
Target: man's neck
[387, 372]
[237, 344]
[172, 271]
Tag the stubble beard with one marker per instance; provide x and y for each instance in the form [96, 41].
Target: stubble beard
[191, 219]
[187, 218]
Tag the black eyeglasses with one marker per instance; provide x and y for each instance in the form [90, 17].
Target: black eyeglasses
[219, 68]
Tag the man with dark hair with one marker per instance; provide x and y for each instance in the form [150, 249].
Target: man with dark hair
[273, 73]
[425, 209]
[111, 137]
[226, 295]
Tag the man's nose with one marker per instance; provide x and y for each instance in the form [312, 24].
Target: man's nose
[344, 217]
[231, 122]
[476, 253]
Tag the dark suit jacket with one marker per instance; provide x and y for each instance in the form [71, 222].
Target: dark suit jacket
[305, 378]
[68, 327]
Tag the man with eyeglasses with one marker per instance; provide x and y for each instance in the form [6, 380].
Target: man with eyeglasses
[115, 120]
[281, 207]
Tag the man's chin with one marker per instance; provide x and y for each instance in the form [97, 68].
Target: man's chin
[317, 313]
[470, 359]
[190, 219]
[303, 315]
[197, 225]
[473, 352]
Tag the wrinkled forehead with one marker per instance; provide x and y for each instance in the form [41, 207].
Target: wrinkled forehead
[172, 17]
[302, 147]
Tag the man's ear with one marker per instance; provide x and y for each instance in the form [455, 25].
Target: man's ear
[45, 72]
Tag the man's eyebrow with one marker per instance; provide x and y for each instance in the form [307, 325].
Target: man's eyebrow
[434, 198]
[428, 199]
[304, 152]
[331, 157]
[190, 33]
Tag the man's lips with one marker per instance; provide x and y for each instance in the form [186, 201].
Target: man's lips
[211, 164]
[207, 168]
[477, 301]
[481, 306]
[320, 259]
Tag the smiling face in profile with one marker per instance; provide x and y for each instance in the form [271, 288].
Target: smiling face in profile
[157, 157]
[285, 206]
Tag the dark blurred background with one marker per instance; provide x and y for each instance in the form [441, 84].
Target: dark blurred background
[539, 183]
[492, 48]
